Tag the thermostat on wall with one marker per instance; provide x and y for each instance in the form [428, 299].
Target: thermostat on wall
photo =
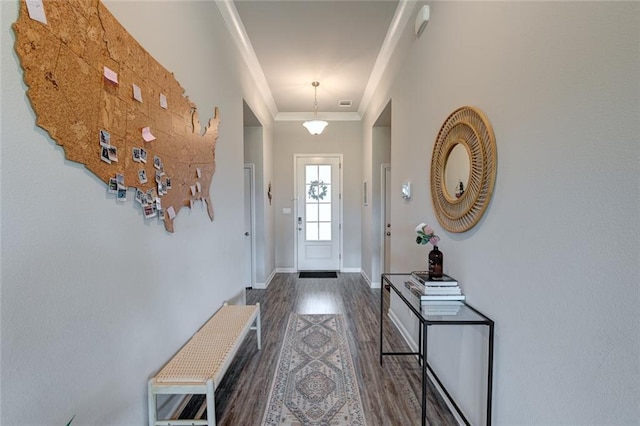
[406, 190]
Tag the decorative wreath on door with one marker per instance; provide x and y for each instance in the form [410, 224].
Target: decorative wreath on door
[317, 190]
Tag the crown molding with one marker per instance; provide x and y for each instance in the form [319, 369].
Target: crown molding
[327, 116]
[239, 35]
[398, 24]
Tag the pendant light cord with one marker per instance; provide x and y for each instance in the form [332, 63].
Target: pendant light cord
[315, 85]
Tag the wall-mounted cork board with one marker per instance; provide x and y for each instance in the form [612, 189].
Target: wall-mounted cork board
[114, 108]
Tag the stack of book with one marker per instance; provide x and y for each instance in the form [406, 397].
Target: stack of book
[446, 307]
[434, 290]
[441, 296]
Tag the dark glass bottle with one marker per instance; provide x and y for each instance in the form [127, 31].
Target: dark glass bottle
[435, 263]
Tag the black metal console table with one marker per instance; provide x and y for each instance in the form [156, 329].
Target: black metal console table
[462, 315]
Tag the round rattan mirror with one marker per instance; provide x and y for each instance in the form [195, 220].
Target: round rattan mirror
[467, 127]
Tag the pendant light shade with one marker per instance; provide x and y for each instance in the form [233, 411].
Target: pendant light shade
[315, 126]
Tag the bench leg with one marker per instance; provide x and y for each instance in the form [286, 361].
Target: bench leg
[211, 403]
[153, 415]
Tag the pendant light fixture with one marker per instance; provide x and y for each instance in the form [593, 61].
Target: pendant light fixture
[315, 126]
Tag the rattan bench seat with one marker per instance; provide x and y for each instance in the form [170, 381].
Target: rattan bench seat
[201, 363]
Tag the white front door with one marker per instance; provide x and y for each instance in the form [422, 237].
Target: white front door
[318, 213]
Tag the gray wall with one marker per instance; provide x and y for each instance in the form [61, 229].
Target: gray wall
[254, 154]
[94, 298]
[381, 154]
[258, 150]
[555, 259]
[268, 221]
[376, 153]
[340, 137]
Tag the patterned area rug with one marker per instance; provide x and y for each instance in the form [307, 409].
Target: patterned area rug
[315, 382]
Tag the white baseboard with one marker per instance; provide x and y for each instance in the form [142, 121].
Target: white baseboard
[293, 270]
[368, 280]
[263, 286]
[366, 277]
[403, 331]
[273, 274]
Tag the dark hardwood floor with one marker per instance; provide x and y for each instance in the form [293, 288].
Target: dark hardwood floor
[390, 393]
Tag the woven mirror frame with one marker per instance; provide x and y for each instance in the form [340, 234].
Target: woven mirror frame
[469, 127]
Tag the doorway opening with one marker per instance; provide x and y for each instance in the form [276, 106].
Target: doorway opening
[253, 235]
[381, 216]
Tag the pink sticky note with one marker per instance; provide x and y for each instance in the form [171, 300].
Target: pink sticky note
[137, 93]
[146, 134]
[163, 101]
[36, 11]
[110, 75]
[171, 212]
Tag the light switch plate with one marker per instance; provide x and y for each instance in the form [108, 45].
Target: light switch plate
[406, 190]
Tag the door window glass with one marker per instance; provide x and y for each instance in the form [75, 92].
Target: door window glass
[318, 202]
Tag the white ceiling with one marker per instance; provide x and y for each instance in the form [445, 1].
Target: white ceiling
[344, 45]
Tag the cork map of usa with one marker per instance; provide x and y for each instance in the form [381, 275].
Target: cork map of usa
[114, 108]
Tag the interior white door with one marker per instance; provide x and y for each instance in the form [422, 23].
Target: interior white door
[248, 269]
[318, 213]
[386, 196]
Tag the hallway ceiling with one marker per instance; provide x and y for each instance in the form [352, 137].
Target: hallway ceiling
[296, 42]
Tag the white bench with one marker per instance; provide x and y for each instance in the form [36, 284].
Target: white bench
[200, 365]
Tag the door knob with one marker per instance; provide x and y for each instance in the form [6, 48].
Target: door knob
[246, 233]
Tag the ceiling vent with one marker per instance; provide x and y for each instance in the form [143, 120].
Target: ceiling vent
[345, 103]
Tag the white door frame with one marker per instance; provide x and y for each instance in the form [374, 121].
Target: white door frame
[295, 198]
[383, 214]
[252, 216]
